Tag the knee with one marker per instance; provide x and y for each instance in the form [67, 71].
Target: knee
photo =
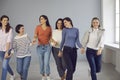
[19, 70]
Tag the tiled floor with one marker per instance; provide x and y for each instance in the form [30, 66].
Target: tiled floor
[108, 71]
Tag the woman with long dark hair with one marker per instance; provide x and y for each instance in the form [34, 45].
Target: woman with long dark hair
[43, 33]
[6, 35]
[55, 42]
[70, 37]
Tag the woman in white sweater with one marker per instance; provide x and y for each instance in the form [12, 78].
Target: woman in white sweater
[56, 40]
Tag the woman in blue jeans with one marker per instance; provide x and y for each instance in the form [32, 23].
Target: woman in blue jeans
[43, 33]
[6, 35]
[93, 40]
[21, 46]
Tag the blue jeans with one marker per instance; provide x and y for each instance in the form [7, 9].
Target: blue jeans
[94, 61]
[44, 52]
[5, 66]
[23, 66]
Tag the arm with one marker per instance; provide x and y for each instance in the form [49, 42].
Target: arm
[8, 44]
[62, 43]
[77, 40]
[35, 36]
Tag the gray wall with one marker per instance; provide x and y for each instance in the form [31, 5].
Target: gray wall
[27, 12]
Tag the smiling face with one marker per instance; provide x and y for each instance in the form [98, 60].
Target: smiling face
[42, 20]
[95, 23]
[21, 30]
[67, 24]
[4, 21]
[59, 24]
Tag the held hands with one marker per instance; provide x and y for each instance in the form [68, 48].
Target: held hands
[7, 55]
[82, 50]
[60, 54]
[34, 41]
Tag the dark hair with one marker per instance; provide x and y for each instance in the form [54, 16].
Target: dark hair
[68, 19]
[95, 18]
[60, 19]
[17, 28]
[7, 26]
[45, 17]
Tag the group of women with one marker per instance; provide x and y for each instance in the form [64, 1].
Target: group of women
[63, 42]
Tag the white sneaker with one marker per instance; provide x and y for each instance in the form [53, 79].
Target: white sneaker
[43, 77]
[12, 77]
[48, 78]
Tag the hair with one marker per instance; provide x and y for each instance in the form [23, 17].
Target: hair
[68, 19]
[8, 24]
[47, 21]
[95, 18]
[17, 28]
[60, 19]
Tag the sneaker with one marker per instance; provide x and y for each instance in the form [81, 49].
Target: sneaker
[12, 77]
[48, 78]
[43, 77]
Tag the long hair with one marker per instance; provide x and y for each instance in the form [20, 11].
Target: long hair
[7, 26]
[60, 19]
[95, 18]
[68, 19]
[47, 21]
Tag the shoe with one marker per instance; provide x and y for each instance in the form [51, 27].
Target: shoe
[48, 78]
[12, 77]
[43, 77]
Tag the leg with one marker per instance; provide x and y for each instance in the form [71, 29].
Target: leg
[20, 66]
[69, 64]
[47, 59]
[26, 64]
[91, 61]
[41, 59]
[98, 63]
[58, 61]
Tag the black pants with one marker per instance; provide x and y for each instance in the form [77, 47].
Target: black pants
[94, 61]
[61, 67]
[70, 57]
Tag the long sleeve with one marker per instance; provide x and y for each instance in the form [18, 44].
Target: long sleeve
[63, 39]
[78, 41]
[10, 36]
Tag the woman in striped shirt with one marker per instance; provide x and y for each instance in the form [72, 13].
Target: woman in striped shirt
[21, 46]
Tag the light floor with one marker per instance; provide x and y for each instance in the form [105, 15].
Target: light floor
[108, 71]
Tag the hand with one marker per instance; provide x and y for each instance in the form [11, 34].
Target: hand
[7, 56]
[99, 52]
[82, 50]
[34, 41]
[60, 54]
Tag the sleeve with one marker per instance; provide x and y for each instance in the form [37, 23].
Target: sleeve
[85, 38]
[63, 39]
[10, 36]
[77, 40]
[14, 45]
[101, 42]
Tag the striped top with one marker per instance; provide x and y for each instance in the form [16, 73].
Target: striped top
[21, 46]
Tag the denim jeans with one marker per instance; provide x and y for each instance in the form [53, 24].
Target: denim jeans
[44, 52]
[94, 61]
[5, 66]
[23, 66]
[70, 57]
[61, 66]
